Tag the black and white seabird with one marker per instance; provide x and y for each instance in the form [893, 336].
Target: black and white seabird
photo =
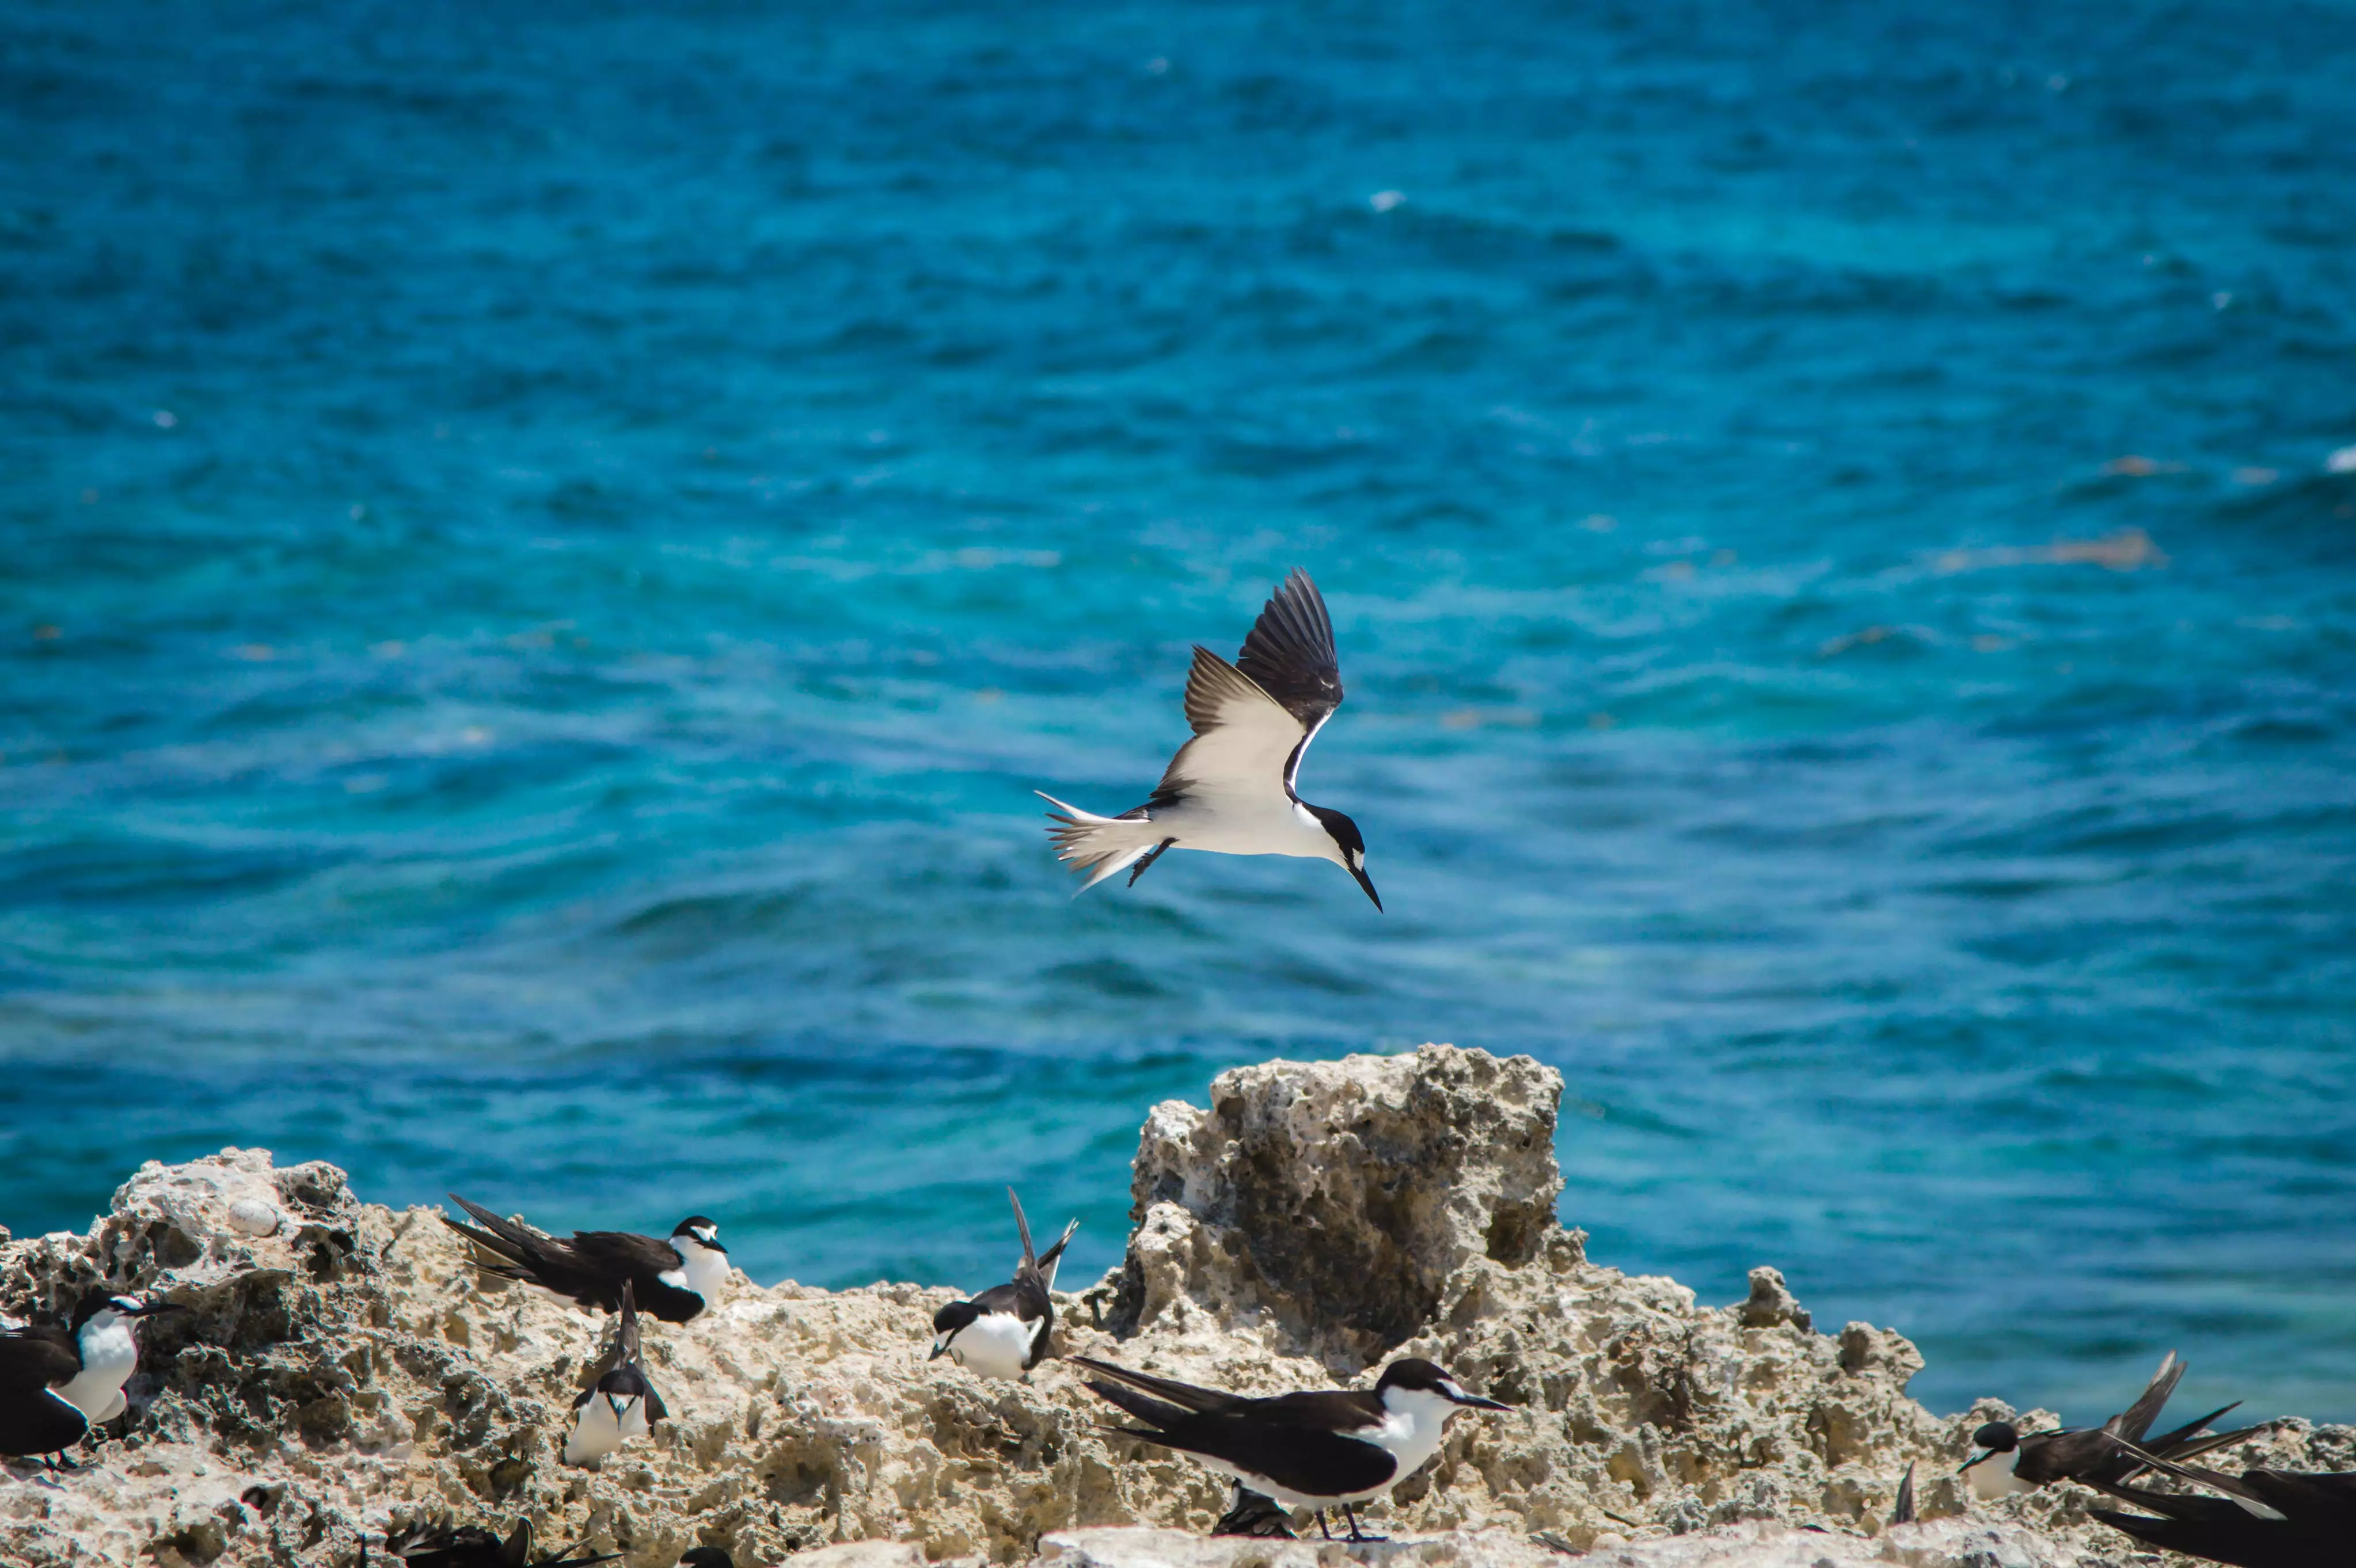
[2269, 1518]
[1009, 1329]
[1336, 1448]
[621, 1404]
[431, 1544]
[58, 1383]
[1230, 790]
[2011, 1460]
[674, 1279]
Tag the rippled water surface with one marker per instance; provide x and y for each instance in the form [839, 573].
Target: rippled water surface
[540, 561]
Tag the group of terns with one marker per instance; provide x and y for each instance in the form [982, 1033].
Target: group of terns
[1334, 1449]
[1323, 1450]
[1230, 790]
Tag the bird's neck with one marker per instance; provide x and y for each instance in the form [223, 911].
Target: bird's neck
[706, 1271]
[1415, 1422]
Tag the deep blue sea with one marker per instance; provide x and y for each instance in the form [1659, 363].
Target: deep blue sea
[543, 552]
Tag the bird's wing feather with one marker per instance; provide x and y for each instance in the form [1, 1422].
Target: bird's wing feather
[2213, 1535]
[1246, 742]
[34, 1360]
[44, 1424]
[1310, 1460]
[1156, 1414]
[520, 1247]
[1186, 1396]
[625, 1254]
[1022, 1298]
[1290, 653]
[1023, 1225]
[2136, 1419]
[607, 1257]
[625, 1336]
[1338, 1410]
[2314, 1499]
[1055, 1254]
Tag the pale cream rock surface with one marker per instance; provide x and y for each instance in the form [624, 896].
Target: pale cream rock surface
[347, 1366]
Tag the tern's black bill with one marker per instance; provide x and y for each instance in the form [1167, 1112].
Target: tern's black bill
[1366, 883]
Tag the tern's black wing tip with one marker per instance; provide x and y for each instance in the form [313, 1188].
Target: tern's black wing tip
[1290, 653]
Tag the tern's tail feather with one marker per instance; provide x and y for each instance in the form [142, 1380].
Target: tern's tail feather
[1100, 846]
[1055, 1254]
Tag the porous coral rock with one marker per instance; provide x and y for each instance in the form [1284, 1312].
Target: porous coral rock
[350, 1367]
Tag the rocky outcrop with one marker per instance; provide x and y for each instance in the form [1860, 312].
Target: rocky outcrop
[343, 1367]
[1327, 1206]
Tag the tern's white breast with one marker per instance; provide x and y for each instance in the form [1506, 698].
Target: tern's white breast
[705, 1271]
[109, 1356]
[1256, 824]
[1993, 1477]
[598, 1429]
[995, 1345]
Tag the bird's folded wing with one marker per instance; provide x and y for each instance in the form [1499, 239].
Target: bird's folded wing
[1244, 742]
[33, 1360]
[1304, 1459]
[1333, 1410]
[2318, 1498]
[1186, 1396]
[606, 1257]
[623, 1254]
[1290, 654]
[501, 1237]
[2197, 1526]
[1025, 1298]
[44, 1424]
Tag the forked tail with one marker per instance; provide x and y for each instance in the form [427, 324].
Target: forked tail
[1100, 847]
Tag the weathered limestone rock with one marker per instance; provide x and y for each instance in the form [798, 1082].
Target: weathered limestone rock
[1332, 1201]
[343, 1367]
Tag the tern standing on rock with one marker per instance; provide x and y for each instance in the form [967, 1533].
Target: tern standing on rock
[1229, 789]
[58, 1383]
[1333, 1449]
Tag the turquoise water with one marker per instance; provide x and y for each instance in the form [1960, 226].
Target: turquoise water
[544, 558]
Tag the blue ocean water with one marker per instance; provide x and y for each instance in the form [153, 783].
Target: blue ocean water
[542, 554]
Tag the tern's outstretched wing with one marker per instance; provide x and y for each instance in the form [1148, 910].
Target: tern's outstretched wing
[1246, 746]
[1290, 654]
